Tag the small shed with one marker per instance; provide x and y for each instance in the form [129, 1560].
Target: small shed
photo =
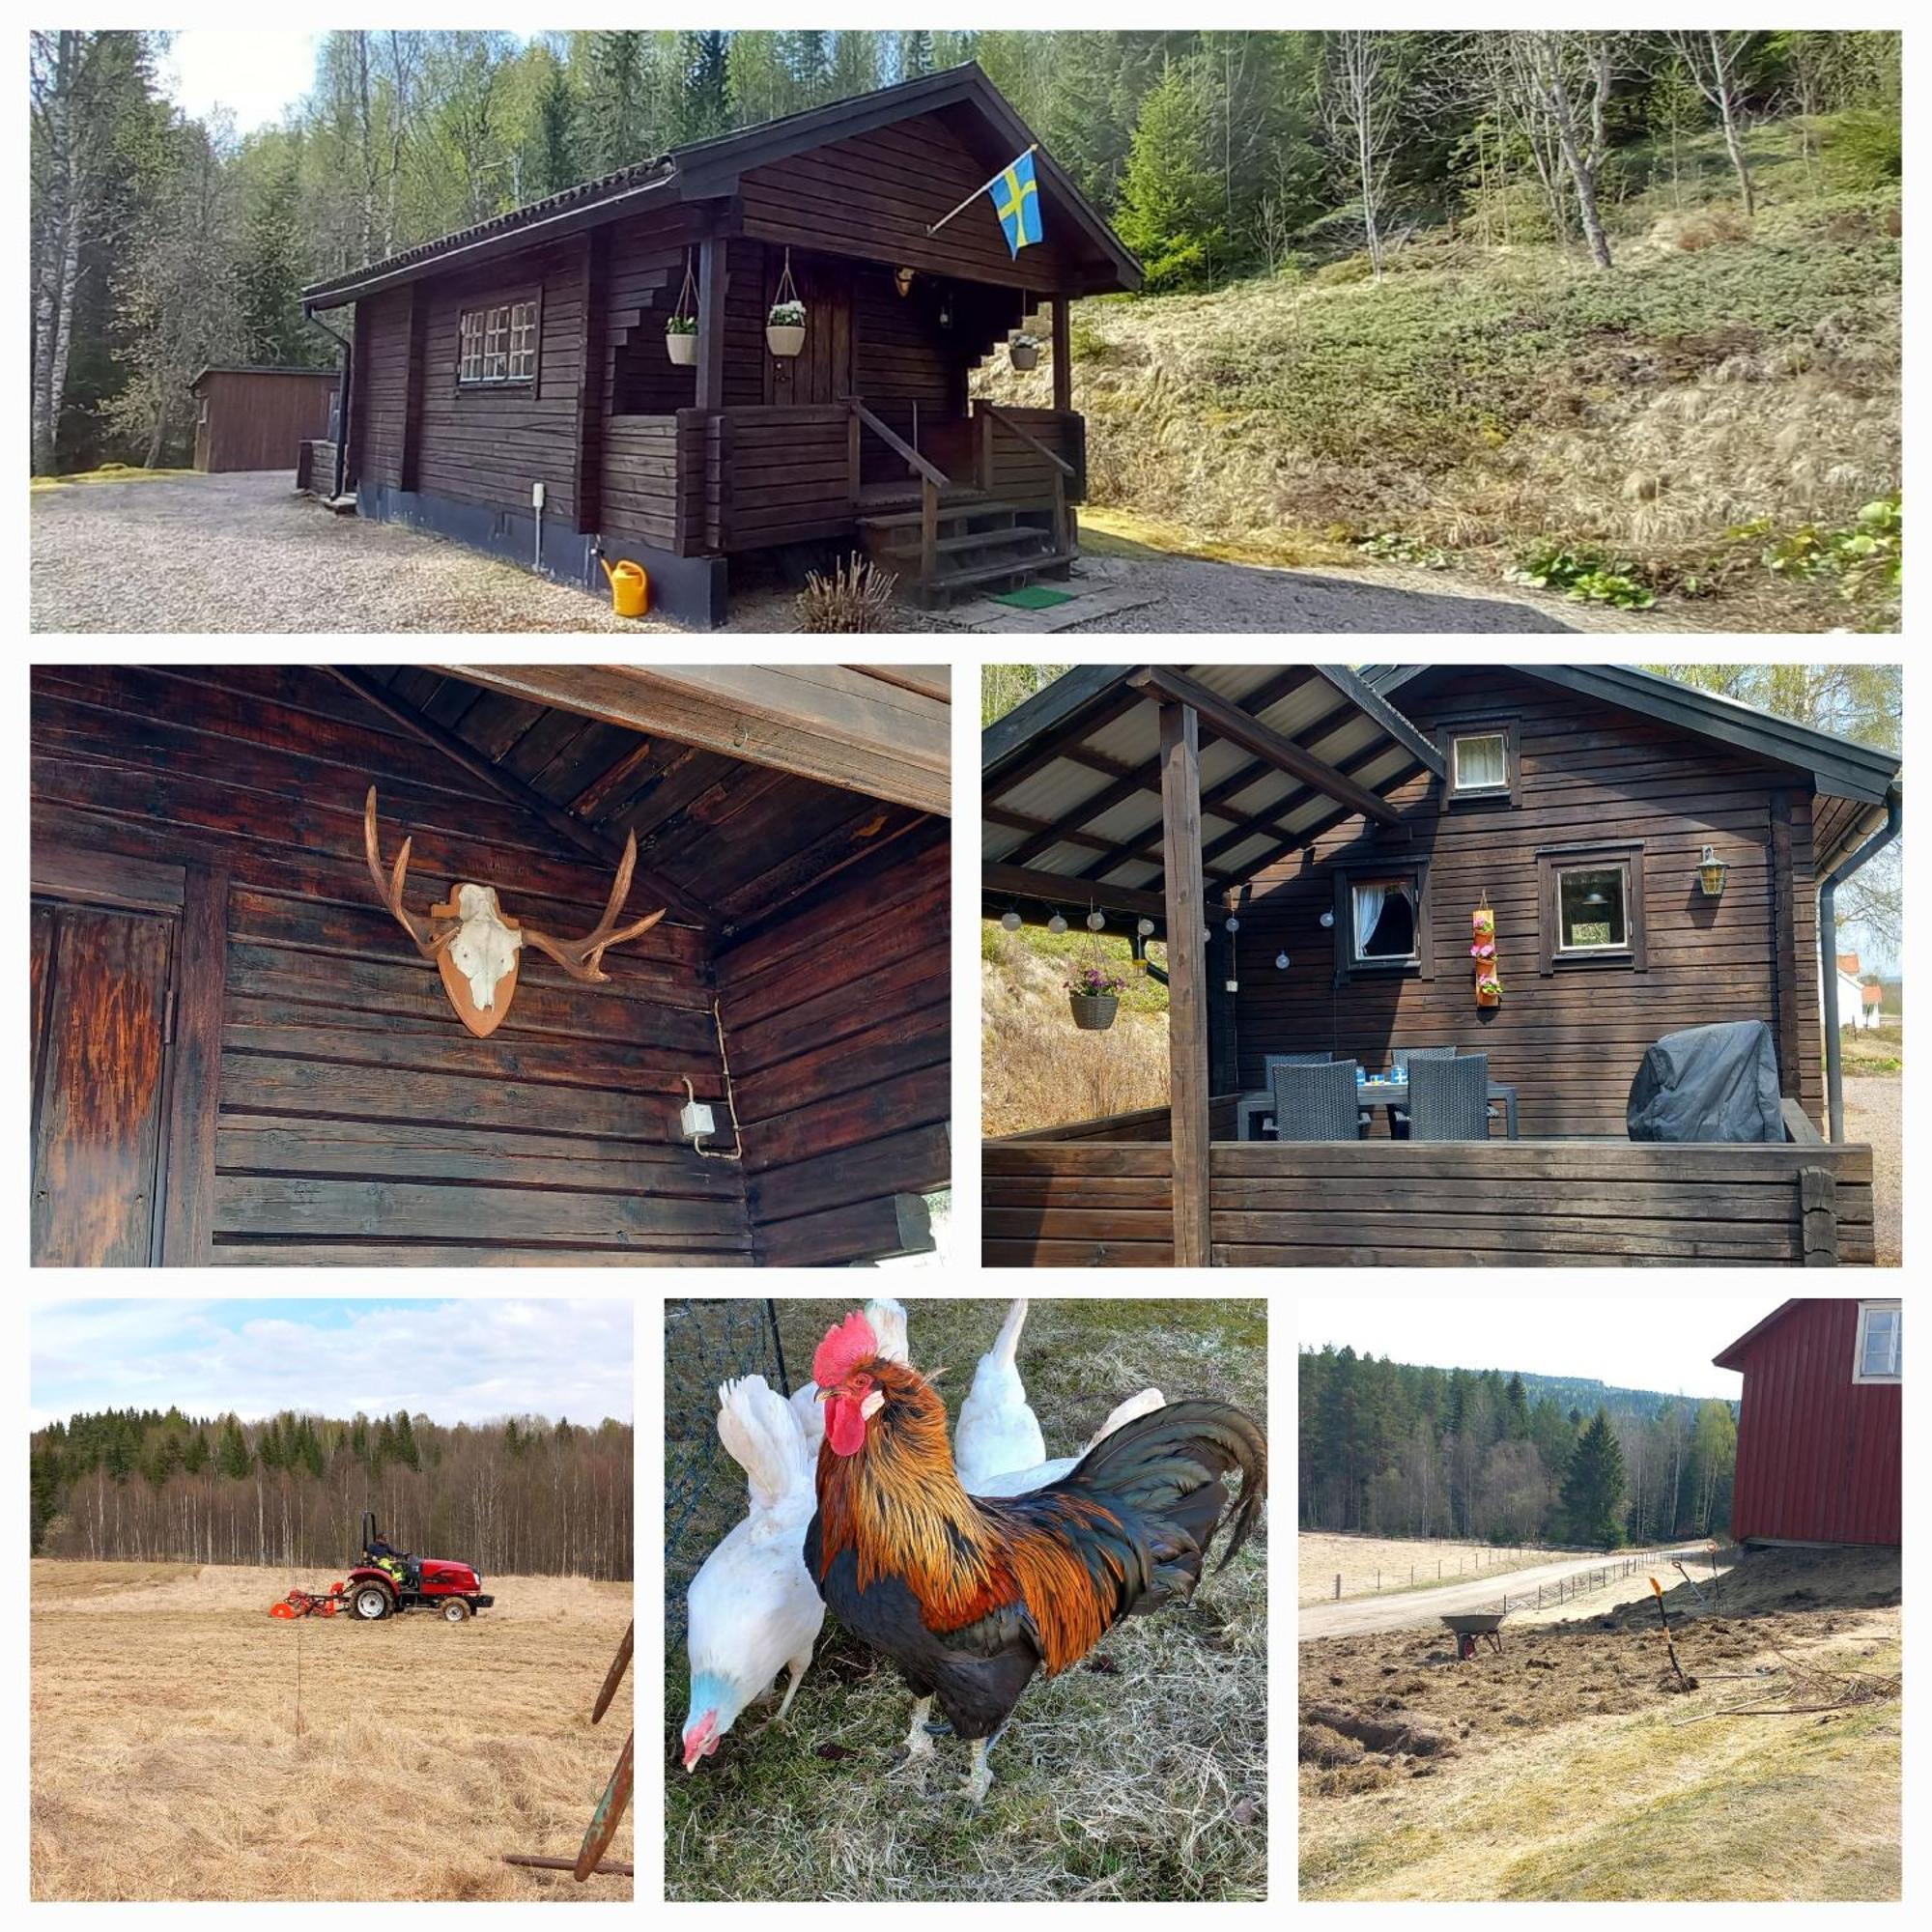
[257, 418]
[1819, 1441]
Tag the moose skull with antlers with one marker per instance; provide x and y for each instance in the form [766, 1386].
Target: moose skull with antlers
[476, 944]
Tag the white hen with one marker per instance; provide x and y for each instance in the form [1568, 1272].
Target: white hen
[752, 1610]
[997, 1430]
[1017, 1482]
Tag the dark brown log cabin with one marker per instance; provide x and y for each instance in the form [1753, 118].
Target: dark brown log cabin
[1282, 807]
[259, 418]
[239, 1056]
[867, 434]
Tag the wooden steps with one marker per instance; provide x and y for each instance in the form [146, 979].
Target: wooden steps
[982, 542]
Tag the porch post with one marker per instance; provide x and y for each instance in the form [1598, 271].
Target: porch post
[1062, 358]
[1186, 979]
[711, 278]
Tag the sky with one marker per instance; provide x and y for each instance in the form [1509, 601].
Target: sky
[256, 76]
[473, 1360]
[1629, 1338]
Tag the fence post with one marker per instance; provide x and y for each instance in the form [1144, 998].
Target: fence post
[1338, 1586]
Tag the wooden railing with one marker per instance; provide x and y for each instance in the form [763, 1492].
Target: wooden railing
[1060, 472]
[933, 480]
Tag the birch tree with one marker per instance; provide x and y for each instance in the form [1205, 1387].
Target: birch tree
[1715, 63]
[1569, 75]
[1361, 109]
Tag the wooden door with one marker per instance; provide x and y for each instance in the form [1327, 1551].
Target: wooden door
[201, 435]
[821, 372]
[101, 982]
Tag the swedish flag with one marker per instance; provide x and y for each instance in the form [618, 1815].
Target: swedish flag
[1016, 196]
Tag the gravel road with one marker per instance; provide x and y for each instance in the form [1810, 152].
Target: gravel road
[245, 552]
[1409, 1609]
[1873, 1103]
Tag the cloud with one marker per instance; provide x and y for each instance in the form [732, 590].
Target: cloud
[455, 1361]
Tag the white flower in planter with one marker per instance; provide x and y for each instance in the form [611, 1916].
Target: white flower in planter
[1023, 350]
[784, 327]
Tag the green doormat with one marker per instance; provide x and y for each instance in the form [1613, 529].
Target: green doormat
[1034, 597]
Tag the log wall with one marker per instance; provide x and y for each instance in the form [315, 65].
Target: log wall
[838, 1033]
[1571, 1040]
[359, 1122]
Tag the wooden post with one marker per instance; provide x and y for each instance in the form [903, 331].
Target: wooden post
[929, 532]
[593, 379]
[712, 273]
[985, 422]
[1062, 358]
[1818, 1211]
[854, 456]
[1187, 977]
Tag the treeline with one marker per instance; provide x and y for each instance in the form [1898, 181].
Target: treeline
[161, 244]
[1389, 1449]
[520, 1495]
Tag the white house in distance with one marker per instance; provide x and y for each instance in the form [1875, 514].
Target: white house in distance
[1860, 1003]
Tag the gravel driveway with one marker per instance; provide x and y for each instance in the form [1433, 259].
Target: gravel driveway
[245, 552]
[1873, 1103]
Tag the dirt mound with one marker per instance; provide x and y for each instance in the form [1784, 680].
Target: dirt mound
[1769, 1582]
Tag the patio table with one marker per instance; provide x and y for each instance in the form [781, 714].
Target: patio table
[1379, 1092]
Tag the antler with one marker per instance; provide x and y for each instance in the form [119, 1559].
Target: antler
[582, 958]
[390, 887]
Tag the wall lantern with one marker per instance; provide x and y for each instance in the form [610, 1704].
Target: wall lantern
[1057, 923]
[1710, 870]
[903, 281]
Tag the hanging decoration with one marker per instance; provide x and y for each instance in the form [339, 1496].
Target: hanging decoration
[1482, 951]
[681, 324]
[784, 325]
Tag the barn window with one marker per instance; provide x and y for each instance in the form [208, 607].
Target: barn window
[1590, 906]
[498, 344]
[1877, 1356]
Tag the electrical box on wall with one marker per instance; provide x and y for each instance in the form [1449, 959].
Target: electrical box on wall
[695, 1117]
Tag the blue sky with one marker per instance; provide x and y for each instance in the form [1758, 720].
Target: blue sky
[469, 1360]
[1632, 1338]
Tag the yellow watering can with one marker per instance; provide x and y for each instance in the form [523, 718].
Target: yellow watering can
[630, 588]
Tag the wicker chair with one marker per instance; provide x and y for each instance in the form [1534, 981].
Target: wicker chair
[1269, 1062]
[1315, 1102]
[1401, 1056]
[1449, 1099]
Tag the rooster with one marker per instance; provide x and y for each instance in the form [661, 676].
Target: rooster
[752, 1610]
[970, 1597]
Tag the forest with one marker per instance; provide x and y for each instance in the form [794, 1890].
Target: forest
[161, 244]
[520, 1497]
[1390, 1449]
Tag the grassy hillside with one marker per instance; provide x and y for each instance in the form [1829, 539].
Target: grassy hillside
[1700, 422]
[1037, 1068]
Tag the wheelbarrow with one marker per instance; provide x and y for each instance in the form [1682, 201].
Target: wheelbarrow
[1487, 1624]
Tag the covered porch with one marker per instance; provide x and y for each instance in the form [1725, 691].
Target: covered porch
[1155, 797]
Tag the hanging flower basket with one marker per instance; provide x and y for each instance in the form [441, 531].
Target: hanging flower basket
[785, 329]
[1093, 996]
[681, 340]
[1023, 351]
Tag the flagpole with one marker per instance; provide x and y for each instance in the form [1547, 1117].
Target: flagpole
[982, 188]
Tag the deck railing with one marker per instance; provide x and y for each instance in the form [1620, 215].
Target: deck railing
[1069, 1198]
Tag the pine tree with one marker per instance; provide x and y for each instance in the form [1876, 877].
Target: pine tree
[232, 1457]
[1170, 202]
[704, 106]
[915, 54]
[1593, 1486]
[556, 159]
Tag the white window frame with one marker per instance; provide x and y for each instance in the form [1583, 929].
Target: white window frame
[1867, 1309]
[1488, 787]
[1401, 876]
[1564, 950]
[496, 346]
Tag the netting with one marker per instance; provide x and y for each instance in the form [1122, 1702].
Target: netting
[706, 1342]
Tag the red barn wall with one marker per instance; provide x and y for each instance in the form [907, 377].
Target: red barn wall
[1818, 1454]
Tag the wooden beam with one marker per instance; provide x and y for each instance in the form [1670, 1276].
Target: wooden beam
[586, 838]
[1063, 357]
[1230, 722]
[830, 723]
[712, 276]
[1022, 882]
[594, 368]
[194, 1091]
[1186, 982]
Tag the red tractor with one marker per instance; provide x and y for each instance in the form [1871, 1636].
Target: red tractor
[388, 1581]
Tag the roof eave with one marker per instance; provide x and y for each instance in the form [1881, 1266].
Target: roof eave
[1731, 1358]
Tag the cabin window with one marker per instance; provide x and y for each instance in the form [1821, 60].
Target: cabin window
[1590, 906]
[498, 344]
[1381, 919]
[1480, 763]
[1877, 1356]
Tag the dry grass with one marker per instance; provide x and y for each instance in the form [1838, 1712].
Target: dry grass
[1569, 1767]
[1145, 1777]
[1376, 1565]
[1037, 1068]
[172, 1758]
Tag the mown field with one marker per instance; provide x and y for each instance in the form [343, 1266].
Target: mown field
[187, 1745]
[1729, 387]
[1139, 1773]
[1371, 1565]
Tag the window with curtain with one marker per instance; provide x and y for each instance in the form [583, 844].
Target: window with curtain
[1878, 1352]
[1385, 918]
[1480, 762]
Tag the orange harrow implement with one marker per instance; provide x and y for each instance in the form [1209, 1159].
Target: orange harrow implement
[306, 1603]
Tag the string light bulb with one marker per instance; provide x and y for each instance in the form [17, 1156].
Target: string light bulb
[1097, 920]
[1145, 929]
[1281, 962]
[1057, 923]
[1233, 925]
[1012, 921]
[1327, 920]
